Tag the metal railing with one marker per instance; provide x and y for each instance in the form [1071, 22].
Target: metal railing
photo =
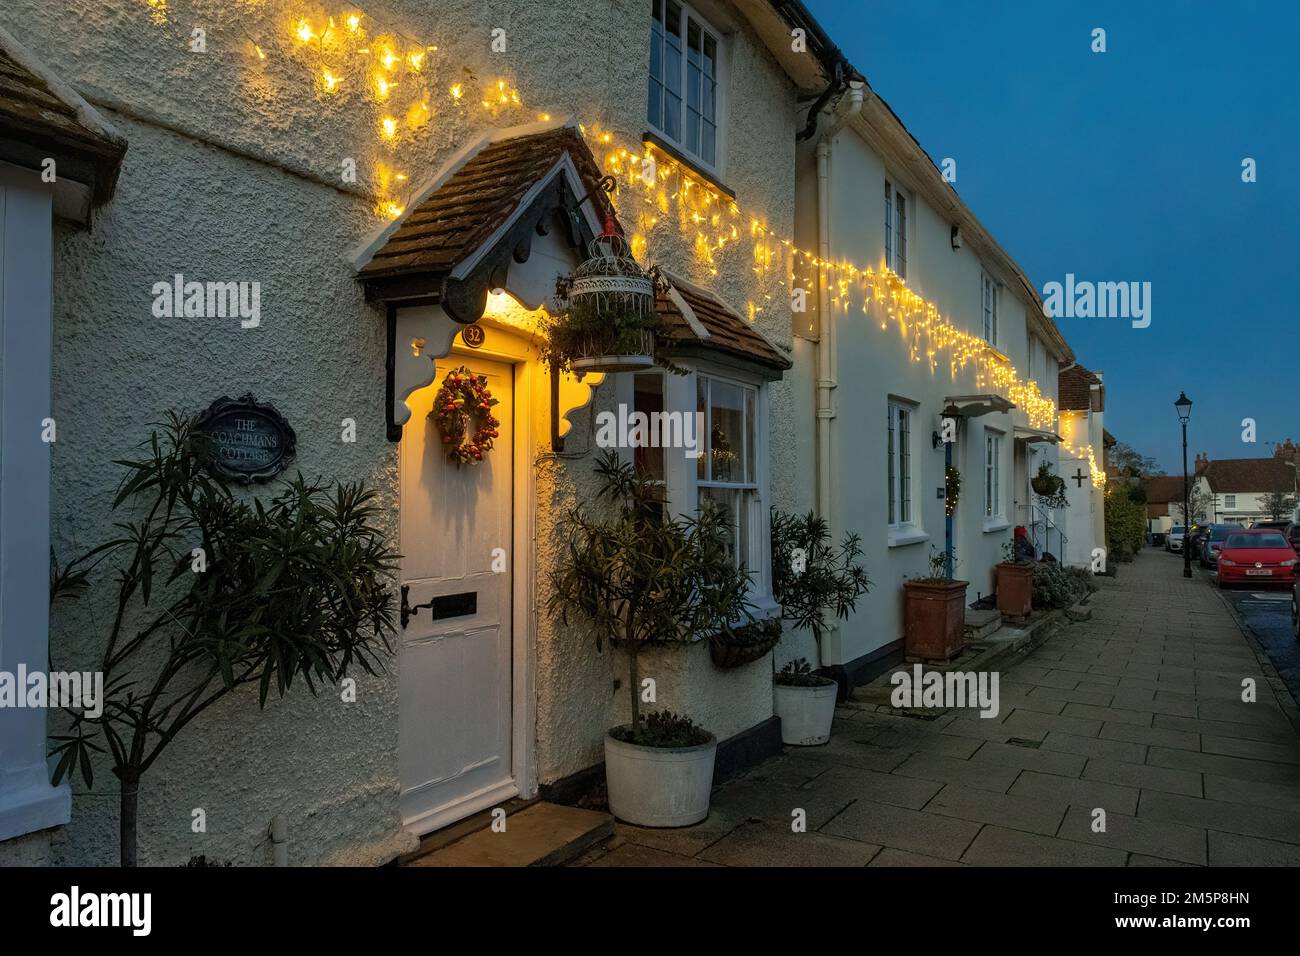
[1041, 528]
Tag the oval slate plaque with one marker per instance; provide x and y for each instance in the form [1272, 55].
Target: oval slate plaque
[247, 441]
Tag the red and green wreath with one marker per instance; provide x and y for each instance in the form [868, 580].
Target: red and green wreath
[464, 402]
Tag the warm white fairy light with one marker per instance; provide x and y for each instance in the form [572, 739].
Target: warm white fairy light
[713, 220]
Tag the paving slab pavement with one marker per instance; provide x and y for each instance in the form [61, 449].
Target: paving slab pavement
[1135, 716]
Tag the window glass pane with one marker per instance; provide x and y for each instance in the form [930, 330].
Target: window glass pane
[735, 505]
[726, 431]
[648, 390]
[702, 406]
[693, 78]
[672, 125]
[904, 466]
[653, 112]
[889, 226]
[709, 101]
[900, 237]
[654, 105]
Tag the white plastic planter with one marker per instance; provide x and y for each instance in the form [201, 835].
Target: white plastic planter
[659, 786]
[806, 713]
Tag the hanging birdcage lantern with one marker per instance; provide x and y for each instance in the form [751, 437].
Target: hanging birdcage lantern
[609, 319]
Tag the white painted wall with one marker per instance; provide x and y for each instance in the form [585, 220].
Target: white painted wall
[871, 366]
[233, 173]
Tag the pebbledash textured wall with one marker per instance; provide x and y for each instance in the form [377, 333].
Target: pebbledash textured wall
[233, 174]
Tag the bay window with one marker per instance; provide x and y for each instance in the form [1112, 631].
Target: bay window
[723, 460]
[725, 472]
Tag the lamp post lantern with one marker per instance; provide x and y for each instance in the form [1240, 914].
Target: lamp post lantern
[1184, 407]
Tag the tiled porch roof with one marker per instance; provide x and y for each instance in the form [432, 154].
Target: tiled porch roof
[479, 198]
[724, 329]
[40, 117]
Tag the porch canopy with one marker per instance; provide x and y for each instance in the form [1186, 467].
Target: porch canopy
[700, 324]
[513, 210]
[481, 217]
[1031, 436]
[41, 119]
[974, 406]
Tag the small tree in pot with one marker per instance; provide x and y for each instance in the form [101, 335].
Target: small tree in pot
[642, 578]
[810, 578]
[1015, 578]
[215, 592]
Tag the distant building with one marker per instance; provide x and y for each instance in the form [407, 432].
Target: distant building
[1236, 490]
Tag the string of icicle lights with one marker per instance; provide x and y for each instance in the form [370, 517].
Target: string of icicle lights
[351, 49]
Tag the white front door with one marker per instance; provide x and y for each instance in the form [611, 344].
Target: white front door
[455, 667]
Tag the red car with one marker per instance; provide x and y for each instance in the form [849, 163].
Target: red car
[1256, 557]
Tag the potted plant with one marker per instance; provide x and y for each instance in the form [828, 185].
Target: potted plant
[934, 613]
[810, 578]
[640, 578]
[1049, 488]
[1015, 581]
[805, 702]
[294, 588]
[607, 321]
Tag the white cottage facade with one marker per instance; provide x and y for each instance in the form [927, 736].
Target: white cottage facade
[915, 318]
[299, 153]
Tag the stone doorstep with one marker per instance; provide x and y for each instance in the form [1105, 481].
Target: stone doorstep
[980, 624]
[537, 834]
[987, 655]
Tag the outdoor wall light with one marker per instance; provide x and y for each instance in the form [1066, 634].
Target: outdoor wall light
[956, 237]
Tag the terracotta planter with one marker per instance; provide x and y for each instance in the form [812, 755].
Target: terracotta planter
[934, 619]
[1015, 589]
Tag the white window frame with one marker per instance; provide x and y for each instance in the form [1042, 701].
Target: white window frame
[995, 499]
[28, 801]
[1230, 501]
[899, 213]
[990, 293]
[683, 484]
[689, 13]
[903, 512]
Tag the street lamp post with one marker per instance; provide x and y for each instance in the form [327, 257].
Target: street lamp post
[1184, 407]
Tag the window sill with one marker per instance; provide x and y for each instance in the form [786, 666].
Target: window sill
[901, 537]
[682, 158]
[996, 524]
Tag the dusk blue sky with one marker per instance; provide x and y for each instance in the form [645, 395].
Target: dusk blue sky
[1123, 166]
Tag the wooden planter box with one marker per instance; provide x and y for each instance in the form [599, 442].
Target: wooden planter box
[1015, 590]
[934, 619]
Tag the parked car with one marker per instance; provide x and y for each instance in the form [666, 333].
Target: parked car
[1258, 558]
[1212, 543]
[1269, 525]
[1295, 608]
[1293, 535]
[1174, 539]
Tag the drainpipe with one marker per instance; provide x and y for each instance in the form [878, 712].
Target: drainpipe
[826, 340]
[826, 349]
